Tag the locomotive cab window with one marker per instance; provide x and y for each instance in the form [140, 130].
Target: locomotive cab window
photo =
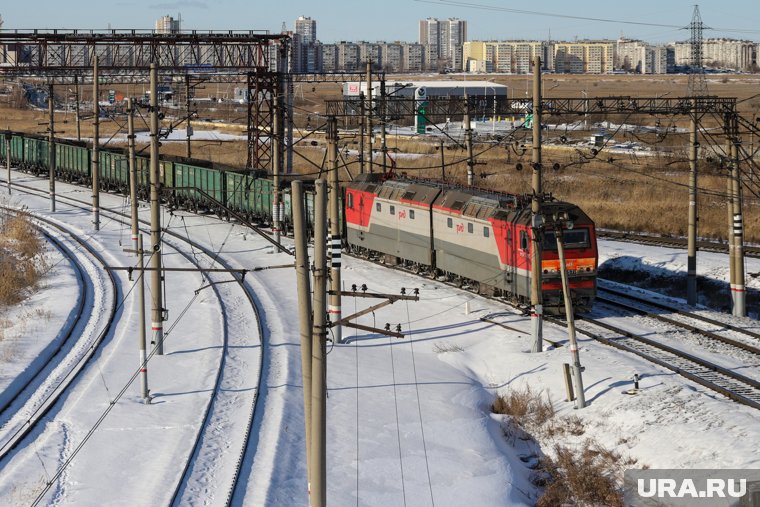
[450, 222]
[392, 209]
[486, 232]
[378, 207]
[470, 228]
[574, 238]
[523, 240]
[411, 214]
[350, 200]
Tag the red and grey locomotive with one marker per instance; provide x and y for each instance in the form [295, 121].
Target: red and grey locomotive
[478, 237]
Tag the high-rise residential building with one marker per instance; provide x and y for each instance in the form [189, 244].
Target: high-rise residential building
[443, 41]
[305, 47]
[167, 24]
[307, 29]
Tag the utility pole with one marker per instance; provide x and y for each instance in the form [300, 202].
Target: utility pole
[577, 369]
[536, 299]
[318, 457]
[334, 309]
[289, 114]
[132, 170]
[8, 137]
[304, 310]
[443, 162]
[468, 142]
[383, 126]
[370, 133]
[738, 289]
[95, 147]
[189, 130]
[76, 107]
[157, 310]
[276, 141]
[691, 280]
[51, 145]
[144, 391]
[362, 112]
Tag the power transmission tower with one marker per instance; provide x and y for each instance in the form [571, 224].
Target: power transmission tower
[697, 83]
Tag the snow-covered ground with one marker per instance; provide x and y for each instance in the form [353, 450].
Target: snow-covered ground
[408, 420]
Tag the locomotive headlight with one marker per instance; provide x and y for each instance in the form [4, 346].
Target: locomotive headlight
[569, 225]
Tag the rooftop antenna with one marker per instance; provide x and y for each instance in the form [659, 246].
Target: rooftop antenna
[697, 83]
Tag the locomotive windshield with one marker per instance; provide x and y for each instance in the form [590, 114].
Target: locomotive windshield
[574, 238]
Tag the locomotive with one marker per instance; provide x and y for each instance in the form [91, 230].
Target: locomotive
[476, 237]
[479, 238]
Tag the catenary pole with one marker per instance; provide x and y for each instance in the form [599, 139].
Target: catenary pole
[8, 137]
[51, 145]
[383, 126]
[577, 369]
[304, 310]
[189, 130]
[738, 288]
[144, 391]
[318, 354]
[157, 325]
[276, 164]
[370, 128]
[468, 142]
[334, 309]
[95, 146]
[362, 113]
[132, 169]
[691, 279]
[536, 300]
[76, 107]
[443, 161]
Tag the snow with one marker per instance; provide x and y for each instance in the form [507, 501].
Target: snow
[408, 420]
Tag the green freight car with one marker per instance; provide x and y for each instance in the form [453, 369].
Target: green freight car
[72, 162]
[35, 159]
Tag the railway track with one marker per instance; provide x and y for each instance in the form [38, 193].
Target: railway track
[639, 307]
[42, 391]
[673, 242]
[736, 387]
[218, 433]
[13, 390]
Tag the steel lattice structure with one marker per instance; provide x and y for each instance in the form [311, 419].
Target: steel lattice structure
[125, 56]
[445, 106]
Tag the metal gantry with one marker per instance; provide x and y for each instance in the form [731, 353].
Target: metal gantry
[257, 58]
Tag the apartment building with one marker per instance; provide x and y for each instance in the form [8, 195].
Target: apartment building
[584, 57]
[511, 57]
[443, 41]
[719, 53]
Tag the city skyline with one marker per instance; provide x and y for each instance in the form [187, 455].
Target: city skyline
[649, 20]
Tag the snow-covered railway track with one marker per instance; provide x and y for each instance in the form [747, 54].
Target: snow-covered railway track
[227, 423]
[44, 359]
[227, 419]
[681, 320]
[737, 387]
[44, 389]
[755, 337]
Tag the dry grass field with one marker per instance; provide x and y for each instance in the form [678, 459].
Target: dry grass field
[620, 191]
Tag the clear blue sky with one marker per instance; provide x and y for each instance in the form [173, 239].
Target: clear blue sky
[397, 19]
